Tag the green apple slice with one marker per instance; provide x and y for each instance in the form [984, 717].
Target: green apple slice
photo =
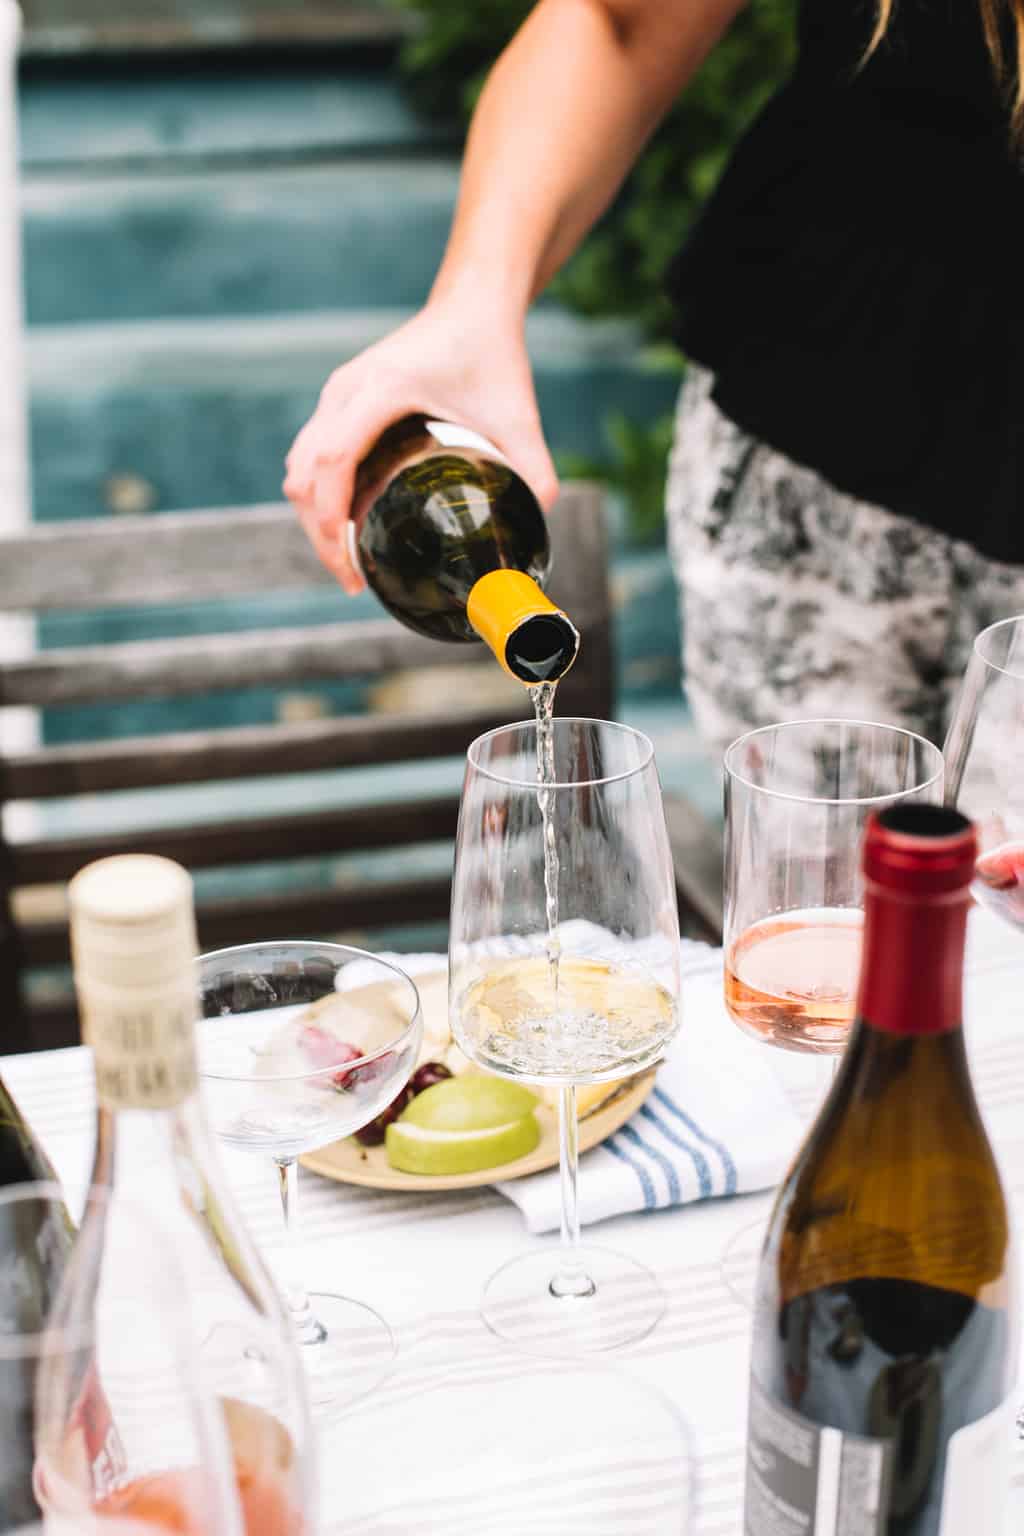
[463, 1125]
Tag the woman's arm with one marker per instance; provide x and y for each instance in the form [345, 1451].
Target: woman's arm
[564, 114]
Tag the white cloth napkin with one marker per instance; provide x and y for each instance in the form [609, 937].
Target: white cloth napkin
[718, 1122]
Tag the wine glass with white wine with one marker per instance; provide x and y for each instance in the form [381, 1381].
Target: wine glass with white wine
[564, 969]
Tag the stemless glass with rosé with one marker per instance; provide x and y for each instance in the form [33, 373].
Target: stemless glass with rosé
[797, 796]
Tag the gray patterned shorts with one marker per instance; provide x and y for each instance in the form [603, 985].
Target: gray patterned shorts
[798, 600]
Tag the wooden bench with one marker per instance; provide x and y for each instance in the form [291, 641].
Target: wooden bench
[84, 565]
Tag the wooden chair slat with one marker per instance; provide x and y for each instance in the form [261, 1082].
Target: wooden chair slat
[208, 663]
[191, 757]
[233, 551]
[291, 915]
[262, 838]
[171, 557]
[253, 658]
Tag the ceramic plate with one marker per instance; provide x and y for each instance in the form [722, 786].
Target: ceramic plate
[351, 1163]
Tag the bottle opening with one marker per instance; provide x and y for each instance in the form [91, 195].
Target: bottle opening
[920, 851]
[924, 821]
[542, 648]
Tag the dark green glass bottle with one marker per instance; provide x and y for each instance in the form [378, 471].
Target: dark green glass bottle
[455, 545]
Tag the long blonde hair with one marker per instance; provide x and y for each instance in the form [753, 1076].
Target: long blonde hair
[1010, 74]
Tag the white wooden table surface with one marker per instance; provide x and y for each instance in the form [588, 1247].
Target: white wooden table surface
[468, 1436]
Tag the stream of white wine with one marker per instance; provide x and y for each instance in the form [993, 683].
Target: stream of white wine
[544, 706]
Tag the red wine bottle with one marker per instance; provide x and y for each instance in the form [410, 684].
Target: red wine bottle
[884, 1340]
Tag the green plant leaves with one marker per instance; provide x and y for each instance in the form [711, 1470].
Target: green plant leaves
[620, 268]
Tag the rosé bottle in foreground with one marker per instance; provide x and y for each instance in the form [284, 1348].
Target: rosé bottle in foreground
[164, 1293]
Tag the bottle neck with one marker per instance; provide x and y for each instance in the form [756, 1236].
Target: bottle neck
[911, 979]
[167, 1150]
[534, 641]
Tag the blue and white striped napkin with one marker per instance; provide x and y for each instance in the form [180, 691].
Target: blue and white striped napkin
[718, 1121]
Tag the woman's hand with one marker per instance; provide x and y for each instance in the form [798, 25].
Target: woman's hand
[451, 362]
[547, 149]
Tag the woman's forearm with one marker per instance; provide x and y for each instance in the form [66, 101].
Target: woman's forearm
[563, 116]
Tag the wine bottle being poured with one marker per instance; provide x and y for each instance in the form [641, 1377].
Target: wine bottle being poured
[884, 1335]
[455, 546]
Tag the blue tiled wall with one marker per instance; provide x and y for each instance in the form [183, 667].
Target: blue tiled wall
[201, 248]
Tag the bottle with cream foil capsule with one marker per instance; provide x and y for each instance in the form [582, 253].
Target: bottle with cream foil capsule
[207, 1327]
[455, 546]
[884, 1347]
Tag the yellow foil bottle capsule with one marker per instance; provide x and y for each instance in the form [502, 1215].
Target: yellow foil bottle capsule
[534, 641]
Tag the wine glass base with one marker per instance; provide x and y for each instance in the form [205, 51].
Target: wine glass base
[740, 1260]
[351, 1359]
[523, 1304]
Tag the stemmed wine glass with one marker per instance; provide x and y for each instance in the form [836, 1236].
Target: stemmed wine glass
[564, 969]
[797, 798]
[164, 1395]
[302, 1044]
[984, 754]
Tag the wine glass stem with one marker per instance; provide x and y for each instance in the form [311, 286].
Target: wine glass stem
[571, 1278]
[308, 1328]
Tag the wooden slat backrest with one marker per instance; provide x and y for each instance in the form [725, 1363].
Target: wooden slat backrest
[190, 556]
[232, 553]
[240, 752]
[162, 668]
[174, 557]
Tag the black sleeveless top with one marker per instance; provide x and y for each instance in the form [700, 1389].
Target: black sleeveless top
[856, 282]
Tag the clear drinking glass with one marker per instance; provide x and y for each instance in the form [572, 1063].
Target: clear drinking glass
[797, 797]
[302, 1044]
[984, 755]
[162, 1397]
[564, 969]
[626, 1462]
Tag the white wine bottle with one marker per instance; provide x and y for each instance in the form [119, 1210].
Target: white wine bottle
[884, 1335]
[455, 546]
[134, 953]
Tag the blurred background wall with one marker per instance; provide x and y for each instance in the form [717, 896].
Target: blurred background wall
[223, 199]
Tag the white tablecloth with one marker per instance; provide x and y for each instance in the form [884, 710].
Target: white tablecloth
[422, 1260]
